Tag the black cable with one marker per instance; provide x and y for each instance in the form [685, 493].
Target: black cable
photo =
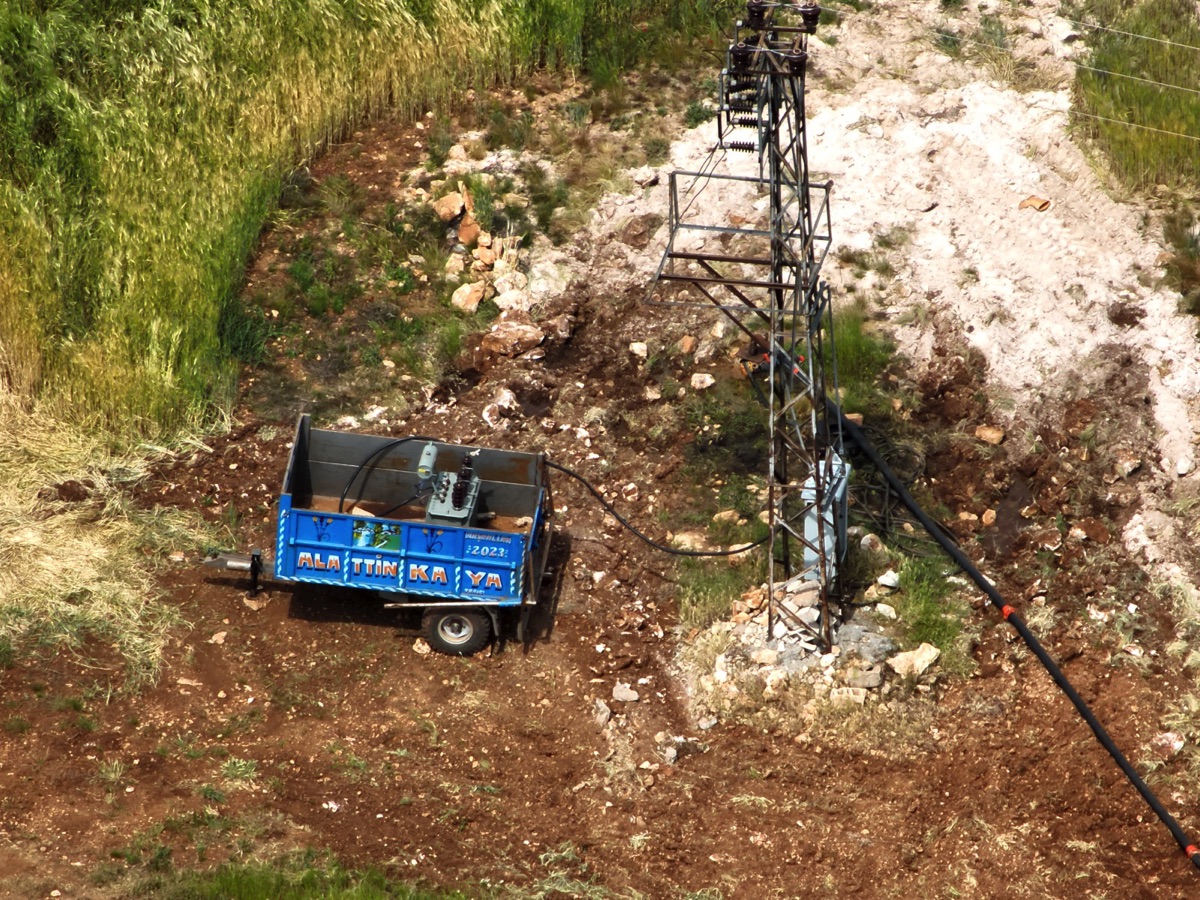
[657, 546]
[856, 434]
[371, 457]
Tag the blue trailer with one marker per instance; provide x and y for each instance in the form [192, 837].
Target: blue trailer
[462, 532]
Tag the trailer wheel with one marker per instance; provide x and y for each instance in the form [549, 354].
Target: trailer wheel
[459, 632]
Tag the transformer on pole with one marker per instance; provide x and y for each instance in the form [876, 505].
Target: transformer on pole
[765, 276]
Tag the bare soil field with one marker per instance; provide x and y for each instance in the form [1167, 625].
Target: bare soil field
[317, 720]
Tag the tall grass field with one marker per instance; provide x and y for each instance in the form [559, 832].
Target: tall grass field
[1143, 157]
[143, 143]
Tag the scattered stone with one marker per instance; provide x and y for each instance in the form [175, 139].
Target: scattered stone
[727, 515]
[421, 647]
[889, 580]
[1127, 463]
[691, 540]
[511, 338]
[867, 679]
[914, 663]
[467, 297]
[774, 683]
[639, 349]
[485, 255]
[630, 492]
[1185, 466]
[707, 723]
[989, 517]
[644, 176]
[503, 404]
[888, 612]
[652, 393]
[455, 264]
[989, 434]
[603, 713]
[872, 544]
[848, 696]
[347, 422]
[218, 638]
[765, 657]
[255, 604]
[1090, 529]
[449, 206]
[468, 230]
[702, 381]
[687, 345]
[511, 281]
[623, 693]
[515, 299]
[1167, 744]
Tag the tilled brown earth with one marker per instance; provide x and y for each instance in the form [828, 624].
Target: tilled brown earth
[303, 719]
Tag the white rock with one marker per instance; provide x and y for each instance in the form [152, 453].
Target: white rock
[701, 381]
[511, 338]
[505, 401]
[774, 683]
[639, 349]
[467, 296]
[914, 662]
[644, 177]
[1185, 466]
[511, 281]
[889, 579]
[872, 544]
[514, 299]
[603, 713]
[847, 696]
[765, 657]
[623, 693]
[421, 647]
[809, 615]
[886, 611]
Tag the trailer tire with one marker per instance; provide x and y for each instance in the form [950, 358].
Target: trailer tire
[458, 632]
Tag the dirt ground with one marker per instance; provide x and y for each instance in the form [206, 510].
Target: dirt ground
[311, 719]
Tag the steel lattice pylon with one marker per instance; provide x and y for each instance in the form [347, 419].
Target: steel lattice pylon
[765, 275]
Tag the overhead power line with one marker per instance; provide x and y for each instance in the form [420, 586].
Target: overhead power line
[1134, 34]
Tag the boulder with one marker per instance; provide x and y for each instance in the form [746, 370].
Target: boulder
[449, 206]
[467, 297]
[914, 663]
[511, 338]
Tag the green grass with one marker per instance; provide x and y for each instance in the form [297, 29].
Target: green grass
[1139, 156]
[862, 356]
[295, 880]
[931, 613]
[141, 151]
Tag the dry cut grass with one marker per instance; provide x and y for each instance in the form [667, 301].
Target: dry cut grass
[75, 571]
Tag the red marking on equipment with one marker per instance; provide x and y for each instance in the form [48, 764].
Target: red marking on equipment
[1191, 851]
[1006, 611]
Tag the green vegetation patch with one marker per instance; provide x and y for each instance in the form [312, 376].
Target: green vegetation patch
[1127, 118]
[931, 611]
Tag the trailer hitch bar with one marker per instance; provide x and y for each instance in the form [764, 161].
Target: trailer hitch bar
[240, 562]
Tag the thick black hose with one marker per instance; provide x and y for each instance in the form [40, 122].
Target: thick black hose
[374, 456]
[637, 534]
[856, 434]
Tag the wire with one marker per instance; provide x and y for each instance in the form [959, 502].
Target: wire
[1075, 112]
[657, 546]
[1012, 53]
[1144, 37]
